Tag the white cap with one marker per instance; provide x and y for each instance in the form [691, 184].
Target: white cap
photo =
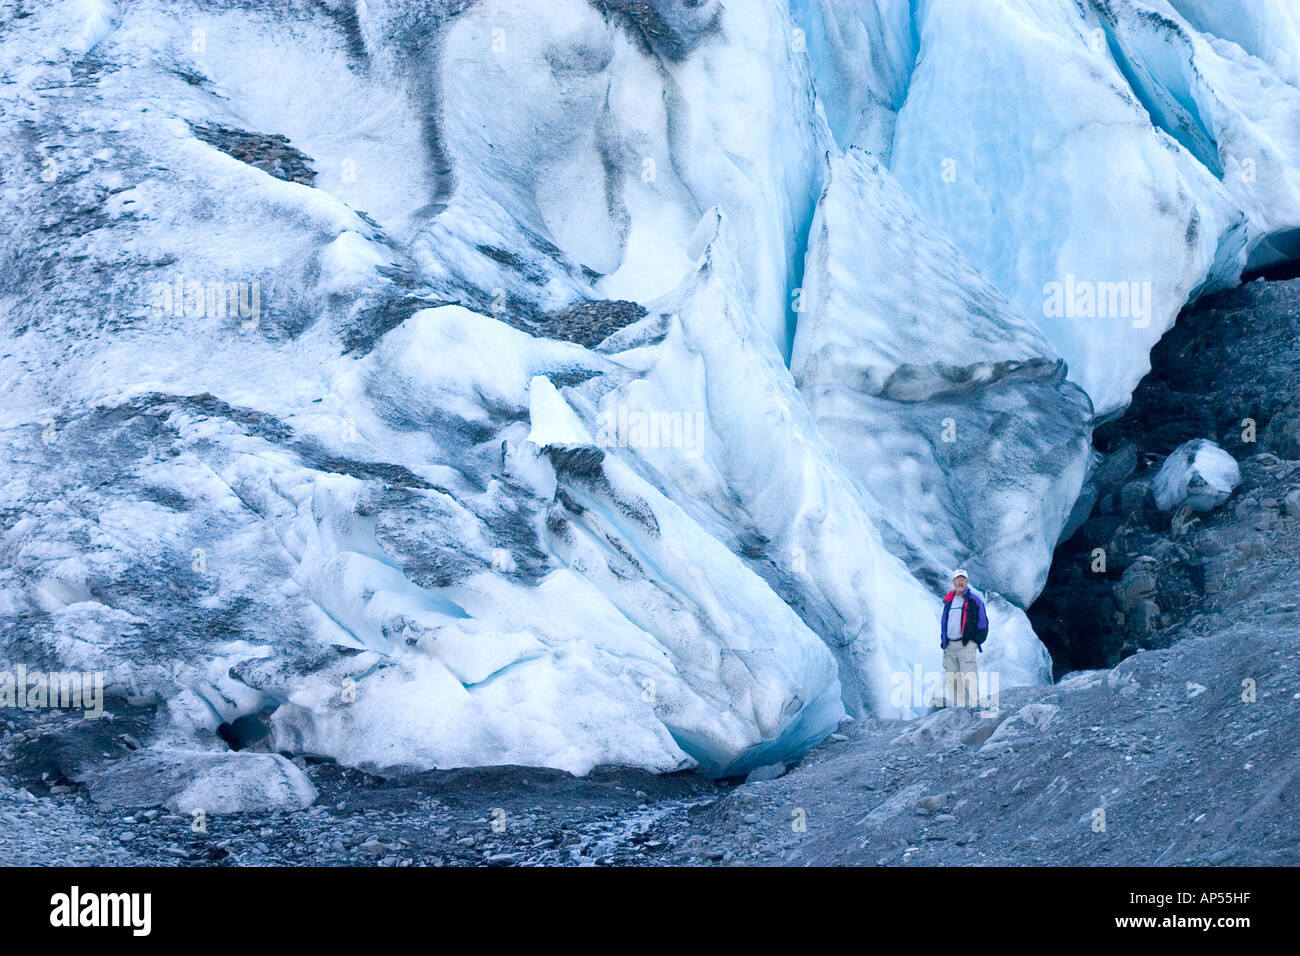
[960, 573]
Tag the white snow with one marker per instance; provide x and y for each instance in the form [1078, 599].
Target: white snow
[350, 261]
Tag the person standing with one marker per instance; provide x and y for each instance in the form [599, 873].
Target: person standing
[962, 632]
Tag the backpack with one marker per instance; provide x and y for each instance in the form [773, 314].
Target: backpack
[981, 633]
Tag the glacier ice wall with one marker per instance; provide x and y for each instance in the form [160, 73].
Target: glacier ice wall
[1131, 116]
[581, 383]
[946, 404]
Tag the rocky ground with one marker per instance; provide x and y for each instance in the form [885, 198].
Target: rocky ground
[1177, 746]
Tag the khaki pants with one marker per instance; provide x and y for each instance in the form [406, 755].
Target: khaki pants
[960, 675]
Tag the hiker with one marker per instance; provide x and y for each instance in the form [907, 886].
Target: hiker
[962, 631]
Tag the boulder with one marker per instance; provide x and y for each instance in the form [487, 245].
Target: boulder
[1282, 435]
[1138, 584]
[1198, 474]
[1292, 503]
[211, 781]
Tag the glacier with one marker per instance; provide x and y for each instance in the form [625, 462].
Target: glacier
[575, 384]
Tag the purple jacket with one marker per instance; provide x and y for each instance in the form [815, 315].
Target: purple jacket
[974, 627]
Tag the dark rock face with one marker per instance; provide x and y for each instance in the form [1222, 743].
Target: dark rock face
[1129, 574]
[1230, 358]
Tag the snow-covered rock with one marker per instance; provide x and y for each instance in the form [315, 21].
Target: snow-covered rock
[211, 782]
[1198, 474]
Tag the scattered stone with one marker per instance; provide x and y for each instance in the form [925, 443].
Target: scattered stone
[270, 153]
[933, 803]
[1146, 618]
[767, 772]
[1137, 584]
[589, 323]
[1292, 503]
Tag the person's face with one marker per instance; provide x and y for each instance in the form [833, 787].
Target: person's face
[959, 584]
